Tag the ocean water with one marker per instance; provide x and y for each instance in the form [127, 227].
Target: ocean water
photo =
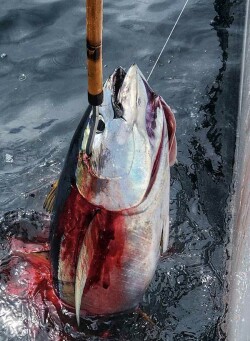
[43, 95]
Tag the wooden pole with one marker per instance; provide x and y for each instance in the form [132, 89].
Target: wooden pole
[94, 23]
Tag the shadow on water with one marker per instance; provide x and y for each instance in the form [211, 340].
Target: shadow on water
[185, 298]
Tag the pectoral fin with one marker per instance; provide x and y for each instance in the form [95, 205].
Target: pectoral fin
[81, 278]
[171, 132]
[50, 199]
[82, 270]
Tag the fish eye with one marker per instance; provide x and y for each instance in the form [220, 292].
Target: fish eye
[101, 125]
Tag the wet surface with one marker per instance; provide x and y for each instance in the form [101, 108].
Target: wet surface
[43, 95]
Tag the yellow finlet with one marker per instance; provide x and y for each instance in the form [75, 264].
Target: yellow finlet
[50, 198]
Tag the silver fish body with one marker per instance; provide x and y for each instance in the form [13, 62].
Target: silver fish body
[111, 215]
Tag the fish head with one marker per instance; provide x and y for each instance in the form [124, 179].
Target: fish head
[132, 123]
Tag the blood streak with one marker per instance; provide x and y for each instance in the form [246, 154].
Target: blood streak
[108, 242]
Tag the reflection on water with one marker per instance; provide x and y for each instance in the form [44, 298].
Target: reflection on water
[43, 87]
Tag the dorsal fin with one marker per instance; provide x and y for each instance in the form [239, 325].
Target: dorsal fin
[50, 198]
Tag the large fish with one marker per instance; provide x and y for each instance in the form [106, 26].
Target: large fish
[110, 218]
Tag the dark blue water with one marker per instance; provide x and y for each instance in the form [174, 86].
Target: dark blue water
[43, 95]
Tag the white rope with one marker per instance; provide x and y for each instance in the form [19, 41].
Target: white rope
[170, 34]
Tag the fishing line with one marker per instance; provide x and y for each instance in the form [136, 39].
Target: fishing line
[170, 34]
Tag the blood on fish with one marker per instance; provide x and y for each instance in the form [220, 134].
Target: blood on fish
[95, 248]
[107, 238]
[73, 223]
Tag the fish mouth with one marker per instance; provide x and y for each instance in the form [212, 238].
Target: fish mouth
[117, 80]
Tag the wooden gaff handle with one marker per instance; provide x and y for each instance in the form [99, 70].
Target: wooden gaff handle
[94, 22]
